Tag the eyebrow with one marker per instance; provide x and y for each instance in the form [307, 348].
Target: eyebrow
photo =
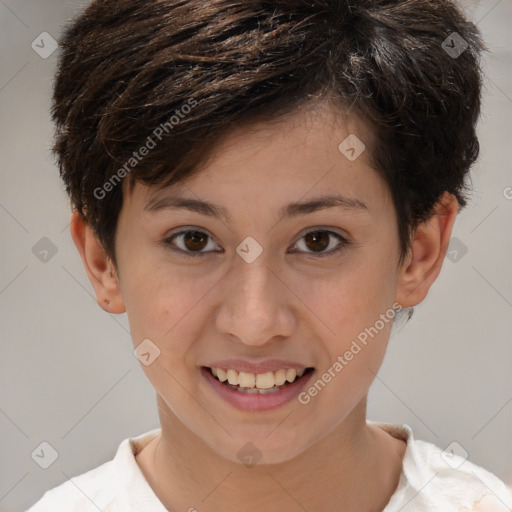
[291, 210]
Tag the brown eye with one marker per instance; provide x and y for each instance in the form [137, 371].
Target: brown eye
[317, 240]
[195, 240]
[190, 242]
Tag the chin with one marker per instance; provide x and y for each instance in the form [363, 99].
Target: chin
[262, 449]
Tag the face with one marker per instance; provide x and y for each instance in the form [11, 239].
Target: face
[257, 288]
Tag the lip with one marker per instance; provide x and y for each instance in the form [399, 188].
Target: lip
[256, 402]
[256, 367]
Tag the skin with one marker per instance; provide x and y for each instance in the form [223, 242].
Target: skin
[291, 305]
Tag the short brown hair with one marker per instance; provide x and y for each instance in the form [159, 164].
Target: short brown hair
[127, 66]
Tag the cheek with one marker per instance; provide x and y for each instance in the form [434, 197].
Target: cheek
[350, 298]
[349, 304]
[164, 305]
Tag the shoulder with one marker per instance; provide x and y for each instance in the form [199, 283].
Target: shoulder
[86, 492]
[462, 483]
[490, 504]
[444, 479]
[116, 486]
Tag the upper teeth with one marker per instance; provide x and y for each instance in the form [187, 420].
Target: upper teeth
[261, 380]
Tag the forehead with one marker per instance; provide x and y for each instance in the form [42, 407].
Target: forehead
[311, 129]
[288, 156]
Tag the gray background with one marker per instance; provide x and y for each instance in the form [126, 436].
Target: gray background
[68, 375]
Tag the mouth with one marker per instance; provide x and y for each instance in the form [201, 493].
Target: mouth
[262, 383]
[257, 391]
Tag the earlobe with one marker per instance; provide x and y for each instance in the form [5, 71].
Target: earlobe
[99, 267]
[425, 258]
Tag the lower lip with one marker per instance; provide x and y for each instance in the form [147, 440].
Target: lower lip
[256, 401]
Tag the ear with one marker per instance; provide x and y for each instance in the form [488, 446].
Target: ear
[425, 258]
[98, 265]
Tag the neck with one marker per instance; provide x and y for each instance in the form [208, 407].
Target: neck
[355, 467]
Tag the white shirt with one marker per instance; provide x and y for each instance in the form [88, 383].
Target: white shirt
[430, 481]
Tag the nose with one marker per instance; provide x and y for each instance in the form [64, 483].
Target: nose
[256, 305]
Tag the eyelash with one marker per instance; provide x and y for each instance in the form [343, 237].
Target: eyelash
[168, 243]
